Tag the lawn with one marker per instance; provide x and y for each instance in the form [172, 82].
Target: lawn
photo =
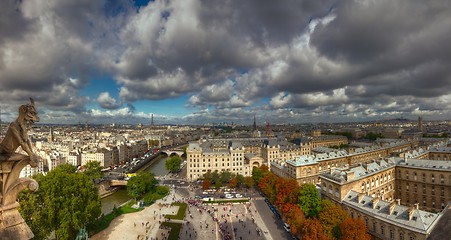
[175, 230]
[181, 213]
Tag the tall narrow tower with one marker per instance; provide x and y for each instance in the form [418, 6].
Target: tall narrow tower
[420, 124]
[255, 124]
[151, 121]
[1, 124]
[51, 137]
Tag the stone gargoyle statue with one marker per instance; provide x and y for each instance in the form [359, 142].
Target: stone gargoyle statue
[17, 134]
[12, 225]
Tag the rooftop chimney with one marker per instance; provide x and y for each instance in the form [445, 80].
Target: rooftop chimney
[360, 197]
[392, 207]
[411, 212]
[349, 176]
[375, 201]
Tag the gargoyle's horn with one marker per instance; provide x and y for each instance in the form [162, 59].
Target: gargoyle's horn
[32, 101]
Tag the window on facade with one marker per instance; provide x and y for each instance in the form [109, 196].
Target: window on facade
[382, 230]
[442, 179]
[424, 177]
[432, 178]
[401, 236]
[392, 234]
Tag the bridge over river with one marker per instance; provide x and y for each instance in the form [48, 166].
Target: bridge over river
[171, 152]
[157, 167]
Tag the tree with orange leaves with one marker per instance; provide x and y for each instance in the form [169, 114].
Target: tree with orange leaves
[294, 216]
[311, 229]
[206, 184]
[353, 229]
[268, 185]
[330, 217]
[287, 191]
[264, 168]
[233, 182]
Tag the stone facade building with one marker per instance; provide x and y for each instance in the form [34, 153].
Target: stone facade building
[306, 169]
[209, 156]
[390, 220]
[398, 198]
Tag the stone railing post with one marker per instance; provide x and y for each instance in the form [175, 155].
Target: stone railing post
[12, 225]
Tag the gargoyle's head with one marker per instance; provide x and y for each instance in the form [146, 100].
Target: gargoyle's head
[28, 112]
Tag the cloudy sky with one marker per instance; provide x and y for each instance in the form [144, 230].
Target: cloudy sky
[210, 61]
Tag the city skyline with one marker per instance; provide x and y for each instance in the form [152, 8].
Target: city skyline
[195, 62]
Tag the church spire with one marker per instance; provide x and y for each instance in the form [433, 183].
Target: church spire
[255, 124]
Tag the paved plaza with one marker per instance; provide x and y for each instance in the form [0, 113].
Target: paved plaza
[227, 221]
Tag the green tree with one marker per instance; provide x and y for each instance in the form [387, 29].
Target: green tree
[373, 136]
[309, 200]
[65, 202]
[173, 164]
[32, 210]
[240, 180]
[93, 170]
[142, 183]
[249, 182]
[257, 174]
[226, 176]
[218, 185]
[208, 176]
[215, 177]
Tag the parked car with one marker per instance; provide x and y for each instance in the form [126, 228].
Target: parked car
[286, 226]
[238, 195]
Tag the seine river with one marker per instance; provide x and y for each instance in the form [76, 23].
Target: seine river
[157, 167]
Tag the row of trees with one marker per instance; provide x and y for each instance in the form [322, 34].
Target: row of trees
[302, 208]
[226, 178]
